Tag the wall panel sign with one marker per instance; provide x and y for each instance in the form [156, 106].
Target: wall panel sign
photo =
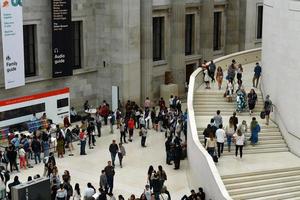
[61, 38]
[12, 40]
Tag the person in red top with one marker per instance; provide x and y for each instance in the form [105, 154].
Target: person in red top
[82, 137]
[104, 112]
[131, 127]
[162, 103]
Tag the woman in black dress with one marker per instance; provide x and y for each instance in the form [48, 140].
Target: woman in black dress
[252, 98]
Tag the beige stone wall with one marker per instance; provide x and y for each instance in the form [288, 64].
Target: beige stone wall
[119, 33]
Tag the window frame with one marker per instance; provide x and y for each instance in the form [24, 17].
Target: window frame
[259, 23]
[217, 47]
[77, 24]
[190, 33]
[161, 38]
[32, 34]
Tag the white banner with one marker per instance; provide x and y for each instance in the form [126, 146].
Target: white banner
[12, 40]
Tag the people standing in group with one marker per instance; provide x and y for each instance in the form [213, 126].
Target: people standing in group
[257, 74]
[239, 138]
[82, 137]
[218, 119]
[143, 136]
[239, 73]
[36, 148]
[77, 194]
[220, 135]
[110, 173]
[230, 130]
[211, 145]
[252, 99]
[243, 127]
[22, 158]
[268, 108]
[121, 153]
[113, 149]
[219, 77]
[255, 129]
[98, 123]
[235, 120]
[229, 90]
[122, 131]
[131, 128]
[207, 78]
[89, 192]
[60, 147]
[161, 175]
[212, 70]
[103, 181]
[231, 71]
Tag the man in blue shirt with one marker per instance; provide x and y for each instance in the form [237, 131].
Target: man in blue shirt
[257, 73]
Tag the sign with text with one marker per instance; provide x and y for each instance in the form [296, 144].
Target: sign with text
[61, 38]
[12, 40]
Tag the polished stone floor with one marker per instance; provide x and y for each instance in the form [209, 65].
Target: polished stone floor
[130, 179]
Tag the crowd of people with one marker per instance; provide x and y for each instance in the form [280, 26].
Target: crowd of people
[39, 147]
[235, 132]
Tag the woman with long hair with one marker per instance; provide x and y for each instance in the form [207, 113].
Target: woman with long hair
[252, 99]
[211, 144]
[229, 133]
[239, 138]
[60, 147]
[219, 77]
[76, 195]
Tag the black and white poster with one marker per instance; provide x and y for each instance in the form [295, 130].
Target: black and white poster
[61, 38]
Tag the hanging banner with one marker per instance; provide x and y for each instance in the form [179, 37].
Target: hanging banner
[12, 40]
[61, 38]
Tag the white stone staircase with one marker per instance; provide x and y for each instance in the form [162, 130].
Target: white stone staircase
[264, 185]
[206, 103]
[270, 141]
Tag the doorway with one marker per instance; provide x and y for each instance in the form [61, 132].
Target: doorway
[189, 70]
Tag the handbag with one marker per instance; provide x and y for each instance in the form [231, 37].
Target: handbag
[140, 133]
[263, 114]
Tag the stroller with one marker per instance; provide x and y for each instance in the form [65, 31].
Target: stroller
[241, 101]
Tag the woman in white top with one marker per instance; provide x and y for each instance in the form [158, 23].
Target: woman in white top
[239, 142]
[211, 144]
[220, 134]
[229, 91]
[207, 79]
[229, 133]
[76, 195]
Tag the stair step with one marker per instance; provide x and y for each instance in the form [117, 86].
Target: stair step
[260, 175]
[262, 182]
[256, 151]
[263, 129]
[276, 133]
[261, 188]
[267, 193]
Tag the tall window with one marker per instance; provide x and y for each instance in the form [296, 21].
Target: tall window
[189, 29]
[76, 38]
[259, 22]
[158, 38]
[29, 32]
[217, 30]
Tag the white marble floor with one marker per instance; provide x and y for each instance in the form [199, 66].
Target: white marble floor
[130, 179]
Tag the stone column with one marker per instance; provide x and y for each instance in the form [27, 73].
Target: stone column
[232, 26]
[146, 48]
[206, 29]
[121, 41]
[177, 52]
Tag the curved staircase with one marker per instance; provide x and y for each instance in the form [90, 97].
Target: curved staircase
[266, 181]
